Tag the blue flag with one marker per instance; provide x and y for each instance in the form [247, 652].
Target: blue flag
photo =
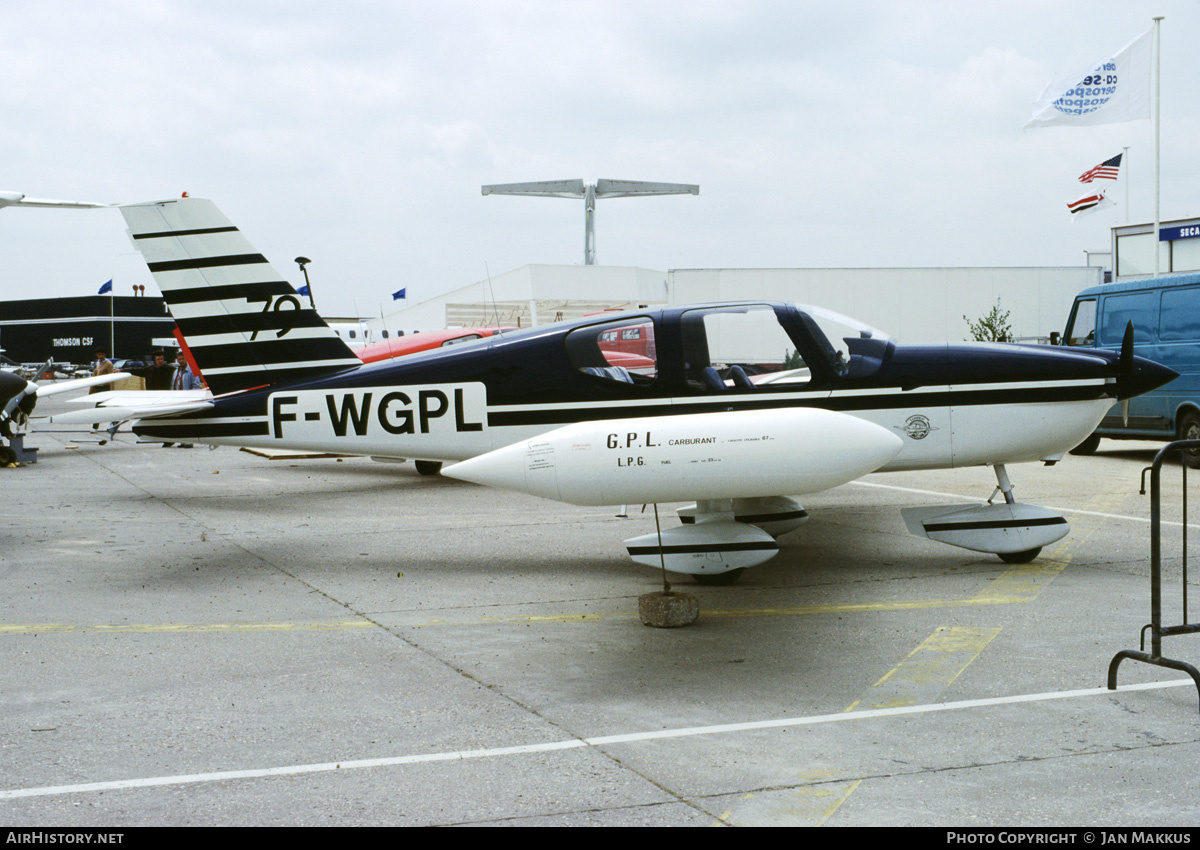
[303, 290]
[106, 288]
[398, 294]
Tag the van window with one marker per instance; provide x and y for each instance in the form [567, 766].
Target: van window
[1141, 308]
[1083, 324]
[1180, 318]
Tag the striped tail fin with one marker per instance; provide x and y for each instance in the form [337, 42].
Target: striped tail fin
[246, 326]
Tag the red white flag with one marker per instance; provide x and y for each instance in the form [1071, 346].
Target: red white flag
[1089, 204]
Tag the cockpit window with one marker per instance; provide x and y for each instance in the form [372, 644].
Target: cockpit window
[741, 347]
[621, 351]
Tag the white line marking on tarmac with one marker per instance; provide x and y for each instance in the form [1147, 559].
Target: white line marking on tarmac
[464, 755]
[962, 498]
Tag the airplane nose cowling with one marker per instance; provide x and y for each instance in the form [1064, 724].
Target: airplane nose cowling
[16, 393]
[1140, 375]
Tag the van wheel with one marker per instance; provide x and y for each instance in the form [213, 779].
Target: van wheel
[1088, 446]
[1189, 429]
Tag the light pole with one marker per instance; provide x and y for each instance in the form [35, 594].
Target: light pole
[590, 192]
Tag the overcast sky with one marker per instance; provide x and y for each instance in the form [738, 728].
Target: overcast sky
[839, 134]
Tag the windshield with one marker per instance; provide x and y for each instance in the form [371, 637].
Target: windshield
[837, 326]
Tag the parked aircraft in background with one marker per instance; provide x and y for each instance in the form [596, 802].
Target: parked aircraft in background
[401, 346]
[742, 407]
[18, 397]
[18, 199]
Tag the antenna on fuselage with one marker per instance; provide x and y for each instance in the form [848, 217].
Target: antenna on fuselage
[492, 292]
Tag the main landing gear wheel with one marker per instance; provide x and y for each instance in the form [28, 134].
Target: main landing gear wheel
[1189, 429]
[7, 456]
[1020, 557]
[718, 579]
[1088, 446]
[429, 467]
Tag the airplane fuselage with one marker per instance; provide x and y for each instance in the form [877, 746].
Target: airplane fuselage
[951, 405]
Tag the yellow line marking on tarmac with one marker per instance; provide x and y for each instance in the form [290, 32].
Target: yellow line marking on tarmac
[1015, 591]
[150, 628]
[930, 668]
[1019, 583]
[950, 650]
[808, 805]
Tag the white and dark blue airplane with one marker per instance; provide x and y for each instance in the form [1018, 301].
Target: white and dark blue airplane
[737, 408]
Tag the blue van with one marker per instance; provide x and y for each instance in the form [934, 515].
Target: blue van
[1165, 312]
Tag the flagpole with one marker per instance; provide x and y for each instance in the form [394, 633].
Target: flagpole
[1128, 176]
[1157, 135]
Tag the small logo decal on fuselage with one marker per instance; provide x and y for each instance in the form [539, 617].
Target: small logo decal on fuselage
[916, 426]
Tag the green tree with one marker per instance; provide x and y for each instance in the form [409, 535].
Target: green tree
[992, 327]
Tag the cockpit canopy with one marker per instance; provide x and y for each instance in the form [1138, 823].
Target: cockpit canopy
[731, 347]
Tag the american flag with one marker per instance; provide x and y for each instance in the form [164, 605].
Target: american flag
[1106, 170]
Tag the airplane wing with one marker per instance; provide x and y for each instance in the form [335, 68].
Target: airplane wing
[17, 199]
[114, 414]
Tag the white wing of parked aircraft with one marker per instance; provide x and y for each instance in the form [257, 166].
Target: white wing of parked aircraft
[19, 199]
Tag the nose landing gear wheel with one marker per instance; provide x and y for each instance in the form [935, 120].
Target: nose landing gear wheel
[718, 579]
[1020, 557]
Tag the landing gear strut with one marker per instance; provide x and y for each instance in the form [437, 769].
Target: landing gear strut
[1004, 486]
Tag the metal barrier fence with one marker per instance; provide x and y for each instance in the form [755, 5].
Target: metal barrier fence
[1157, 630]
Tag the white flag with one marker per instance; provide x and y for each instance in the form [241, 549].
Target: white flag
[1090, 204]
[1115, 90]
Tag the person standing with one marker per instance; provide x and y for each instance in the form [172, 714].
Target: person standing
[102, 366]
[184, 378]
[158, 375]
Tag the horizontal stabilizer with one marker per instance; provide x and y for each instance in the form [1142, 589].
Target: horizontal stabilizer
[116, 414]
[46, 390]
[141, 398]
